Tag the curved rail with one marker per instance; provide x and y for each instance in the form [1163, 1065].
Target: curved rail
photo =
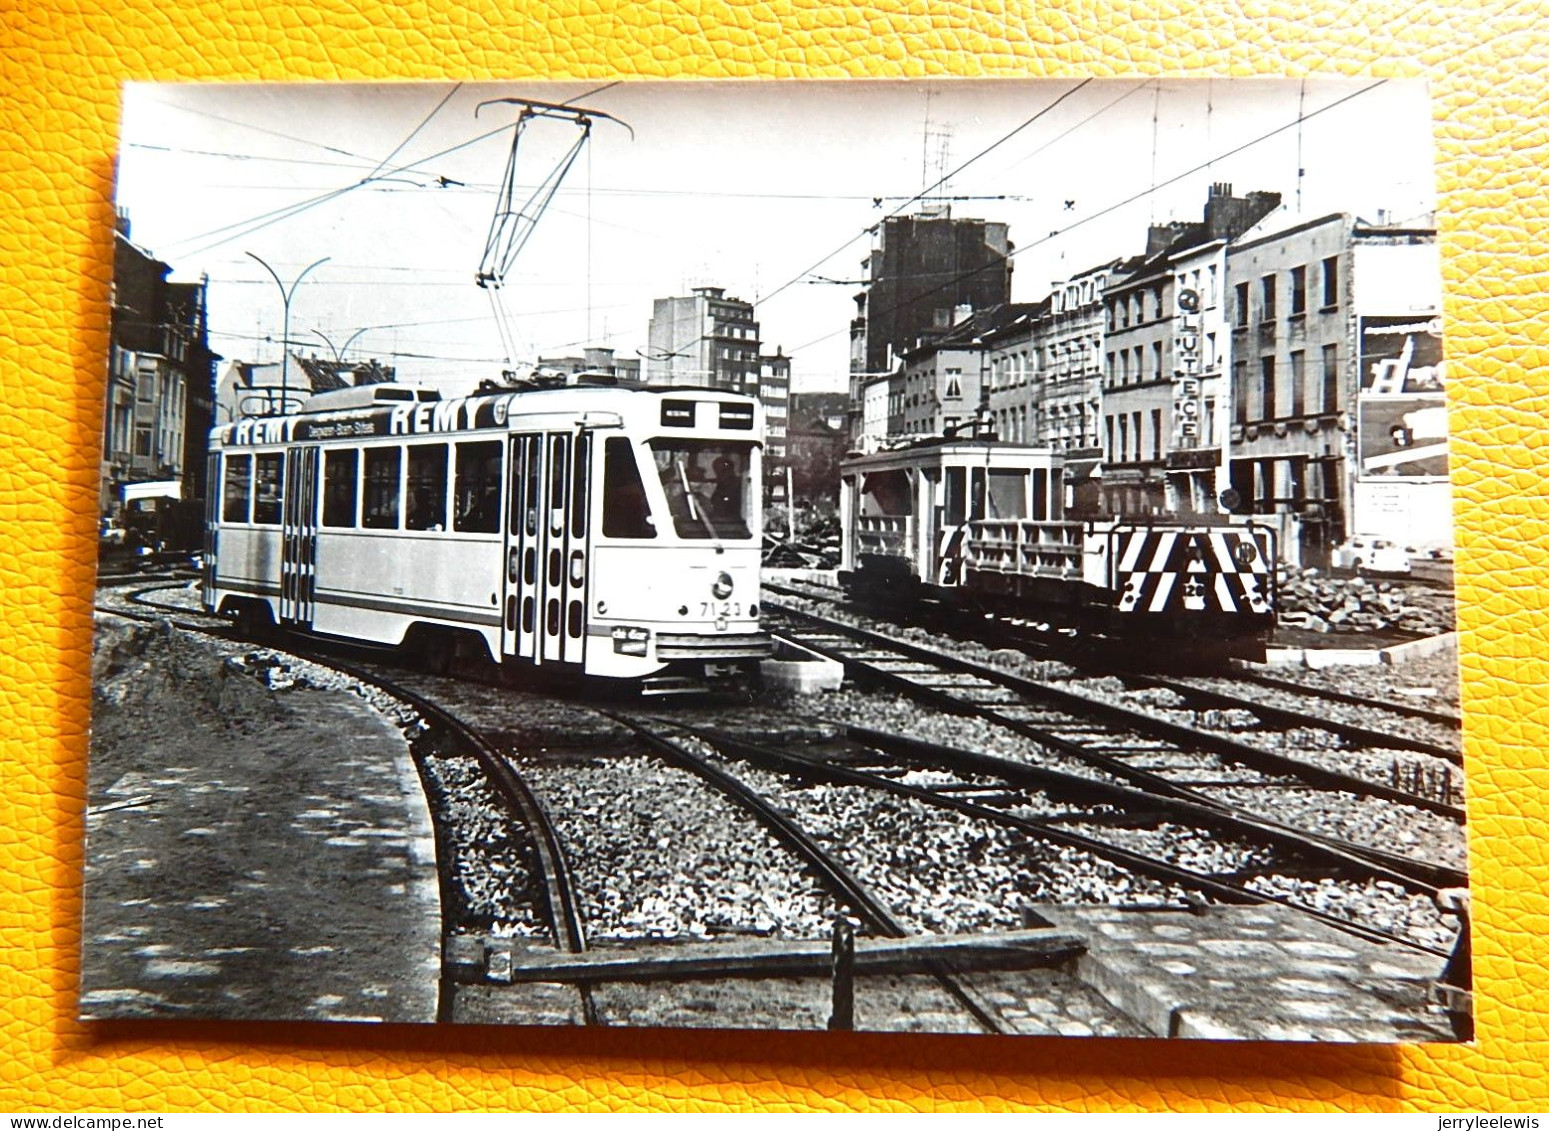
[1003, 635]
[563, 907]
[952, 700]
[943, 797]
[839, 878]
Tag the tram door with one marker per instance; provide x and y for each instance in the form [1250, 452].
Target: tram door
[298, 536]
[546, 548]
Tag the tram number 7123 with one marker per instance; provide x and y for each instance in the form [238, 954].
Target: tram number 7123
[720, 608]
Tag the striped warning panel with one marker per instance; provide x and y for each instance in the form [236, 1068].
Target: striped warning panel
[1183, 570]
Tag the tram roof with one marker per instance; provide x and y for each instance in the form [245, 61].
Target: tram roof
[399, 410]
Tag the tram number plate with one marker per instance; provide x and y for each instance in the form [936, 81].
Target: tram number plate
[720, 608]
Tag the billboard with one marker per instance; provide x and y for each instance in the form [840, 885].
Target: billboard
[1401, 407]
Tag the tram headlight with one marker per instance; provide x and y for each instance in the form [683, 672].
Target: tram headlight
[723, 586]
[629, 640]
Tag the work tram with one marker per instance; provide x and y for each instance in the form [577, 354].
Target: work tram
[600, 531]
[986, 526]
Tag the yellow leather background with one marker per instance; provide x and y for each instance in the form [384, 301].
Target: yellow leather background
[1488, 63]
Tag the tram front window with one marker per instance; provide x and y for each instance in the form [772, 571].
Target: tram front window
[709, 487]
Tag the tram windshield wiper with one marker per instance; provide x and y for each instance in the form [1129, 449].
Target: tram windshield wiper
[696, 508]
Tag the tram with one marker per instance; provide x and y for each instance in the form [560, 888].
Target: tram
[598, 530]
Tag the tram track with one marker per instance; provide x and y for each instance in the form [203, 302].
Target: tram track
[1001, 791]
[562, 906]
[1115, 741]
[963, 795]
[998, 632]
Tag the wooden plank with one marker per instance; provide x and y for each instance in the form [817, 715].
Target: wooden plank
[766, 958]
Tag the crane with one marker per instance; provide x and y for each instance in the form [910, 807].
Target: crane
[513, 224]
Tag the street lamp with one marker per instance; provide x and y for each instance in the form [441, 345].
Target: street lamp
[340, 351]
[285, 296]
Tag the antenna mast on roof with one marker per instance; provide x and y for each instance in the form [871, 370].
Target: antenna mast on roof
[513, 224]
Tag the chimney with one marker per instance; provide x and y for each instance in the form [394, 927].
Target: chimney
[1228, 216]
[1159, 237]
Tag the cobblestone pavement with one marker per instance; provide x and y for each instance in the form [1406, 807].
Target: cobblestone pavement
[278, 875]
[1253, 973]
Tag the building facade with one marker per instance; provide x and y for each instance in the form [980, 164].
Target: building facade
[703, 339]
[774, 392]
[1161, 384]
[1071, 340]
[1137, 392]
[943, 379]
[158, 407]
[1338, 423]
[1013, 390]
[921, 271]
[1194, 476]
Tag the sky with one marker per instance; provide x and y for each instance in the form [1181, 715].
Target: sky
[771, 190]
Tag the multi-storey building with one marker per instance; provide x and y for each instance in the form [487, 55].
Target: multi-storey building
[1401, 490]
[1200, 404]
[1071, 359]
[921, 271]
[774, 392]
[1138, 389]
[1338, 422]
[876, 412]
[1155, 362]
[704, 339]
[939, 385]
[160, 377]
[1013, 390]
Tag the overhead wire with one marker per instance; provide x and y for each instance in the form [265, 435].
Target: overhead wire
[256, 224]
[925, 191]
[1084, 220]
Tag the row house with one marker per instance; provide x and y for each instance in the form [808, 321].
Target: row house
[1338, 413]
[1012, 371]
[938, 387]
[1164, 370]
[1070, 356]
[158, 406]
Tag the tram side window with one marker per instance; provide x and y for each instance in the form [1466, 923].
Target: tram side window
[1008, 495]
[557, 448]
[238, 488]
[426, 508]
[478, 488]
[340, 484]
[625, 512]
[382, 475]
[578, 483]
[957, 496]
[266, 488]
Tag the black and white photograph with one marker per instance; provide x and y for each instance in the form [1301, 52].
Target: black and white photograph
[964, 557]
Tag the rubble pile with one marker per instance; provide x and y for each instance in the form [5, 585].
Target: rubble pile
[1314, 601]
[814, 544]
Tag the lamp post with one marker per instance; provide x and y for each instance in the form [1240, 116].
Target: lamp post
[285, 297]
[340, 351]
